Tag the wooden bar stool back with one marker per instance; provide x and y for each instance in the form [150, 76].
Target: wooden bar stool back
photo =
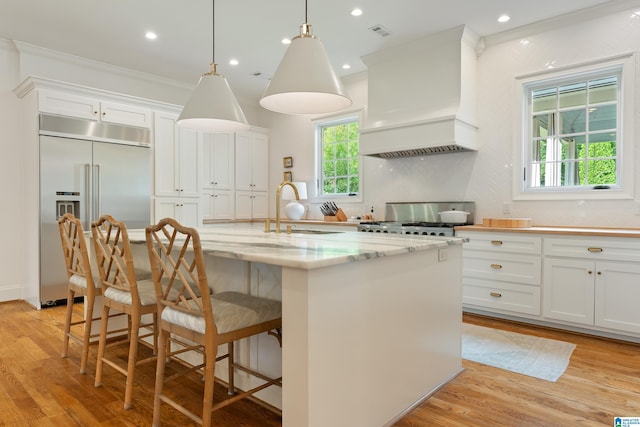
[126, 291]
[177, 260]
[80, 283]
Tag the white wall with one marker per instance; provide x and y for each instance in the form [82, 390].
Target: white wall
[486, 176]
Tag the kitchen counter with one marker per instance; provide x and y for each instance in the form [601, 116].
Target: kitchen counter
[576, 231]
[303, 222]
[354, 304]
[249, 242]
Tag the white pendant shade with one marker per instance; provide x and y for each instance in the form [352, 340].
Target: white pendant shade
[305, 82]
[212, 107]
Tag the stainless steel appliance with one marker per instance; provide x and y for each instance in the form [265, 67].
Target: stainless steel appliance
[419, 218]
[88, 169]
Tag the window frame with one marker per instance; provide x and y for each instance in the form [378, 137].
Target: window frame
[624, 67]
[348, 117]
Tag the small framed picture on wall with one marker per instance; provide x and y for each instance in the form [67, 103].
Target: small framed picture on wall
[288, 177]
[287, 162]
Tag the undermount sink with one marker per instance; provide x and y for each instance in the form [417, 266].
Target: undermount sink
[298, 231]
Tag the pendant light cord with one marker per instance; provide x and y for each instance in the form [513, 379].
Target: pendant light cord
[213, 31]
[306, 20]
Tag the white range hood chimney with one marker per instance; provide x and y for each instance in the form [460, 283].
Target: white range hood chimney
[422, 97]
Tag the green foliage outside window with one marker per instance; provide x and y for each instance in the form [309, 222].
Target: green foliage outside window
[574, 130]
[340, 162]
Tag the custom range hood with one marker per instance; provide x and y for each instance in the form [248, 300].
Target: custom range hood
[422, 97]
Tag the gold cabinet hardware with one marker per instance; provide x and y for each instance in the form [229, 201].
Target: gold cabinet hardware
[496, 294]
[496, 242]
[496, 266]
[594, 249]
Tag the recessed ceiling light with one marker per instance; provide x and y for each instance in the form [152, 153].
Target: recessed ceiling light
[356, 12]
[233, 62]
[504, 18]
[525, 42]
[346, 67]
[286, 41]
[151, 35]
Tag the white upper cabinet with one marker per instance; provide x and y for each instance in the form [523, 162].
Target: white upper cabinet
[89, 108]
[252, 160]
[176, 158]
[218, 161]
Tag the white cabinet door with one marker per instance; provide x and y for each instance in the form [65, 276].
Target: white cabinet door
[184, 210]
[568, 290]
[187, 166]
[176, 159]
[165, 140]
[90, 108]
[617, 296]
[260, 206]
[260, 161]
[244, 205]
[218, 156]
[66, 104]
[218, 205]
[252, 160]
[113, 112]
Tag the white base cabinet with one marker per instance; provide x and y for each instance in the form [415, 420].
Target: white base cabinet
[184, 210]
[584, 283]
[218, 204]
[502, 272]
[251, 205]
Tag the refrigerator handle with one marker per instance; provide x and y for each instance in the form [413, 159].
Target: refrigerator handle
[87, 196]
[98, 195]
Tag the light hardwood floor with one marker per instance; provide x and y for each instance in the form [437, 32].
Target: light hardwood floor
[39, 388]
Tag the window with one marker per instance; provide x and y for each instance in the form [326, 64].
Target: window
[574, 132]
[339, 161]
[575, 125]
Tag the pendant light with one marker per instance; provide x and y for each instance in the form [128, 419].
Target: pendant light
[305, 82]
[212, 107]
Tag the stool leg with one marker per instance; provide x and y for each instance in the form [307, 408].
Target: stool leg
[88, 322]
[133, 356]
[163, 345]
[231, 369]
[102, 343]
[67, 324]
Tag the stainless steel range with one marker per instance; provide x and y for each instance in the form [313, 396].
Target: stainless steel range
[419, 218]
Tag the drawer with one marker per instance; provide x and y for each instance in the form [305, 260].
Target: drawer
[501, 296]
[614, 249]
[502, 242]
[524, 269]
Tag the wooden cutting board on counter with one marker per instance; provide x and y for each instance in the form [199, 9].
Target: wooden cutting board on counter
[507, 222]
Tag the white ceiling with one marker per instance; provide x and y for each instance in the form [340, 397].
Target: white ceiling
[112, 31]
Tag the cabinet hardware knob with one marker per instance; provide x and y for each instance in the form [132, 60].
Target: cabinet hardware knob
[599, 273]
[104, 113]
[496, 242]
[496, 266]
[496, 294]
[594, 249]
[590, 272]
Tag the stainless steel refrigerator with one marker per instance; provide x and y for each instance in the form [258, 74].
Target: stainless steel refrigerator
[88, 169]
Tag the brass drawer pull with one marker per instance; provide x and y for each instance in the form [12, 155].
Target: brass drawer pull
[496, 266]
[496, 294]
[594, 249]
[496, 242]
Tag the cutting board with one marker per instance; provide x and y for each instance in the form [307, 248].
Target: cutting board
[507, 222]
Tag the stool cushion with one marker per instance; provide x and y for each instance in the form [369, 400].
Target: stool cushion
[81, 281]
[231, 311]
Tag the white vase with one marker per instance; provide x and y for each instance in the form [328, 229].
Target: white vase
[294, 210]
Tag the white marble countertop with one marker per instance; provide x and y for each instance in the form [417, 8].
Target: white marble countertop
[249, 242]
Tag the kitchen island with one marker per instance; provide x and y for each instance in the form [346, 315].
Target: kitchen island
[371, 323]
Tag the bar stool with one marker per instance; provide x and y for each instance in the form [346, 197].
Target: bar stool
[126, 292]
[79, 283]
[177, 263]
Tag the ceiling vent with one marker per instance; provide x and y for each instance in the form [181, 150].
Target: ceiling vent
[380, 30]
